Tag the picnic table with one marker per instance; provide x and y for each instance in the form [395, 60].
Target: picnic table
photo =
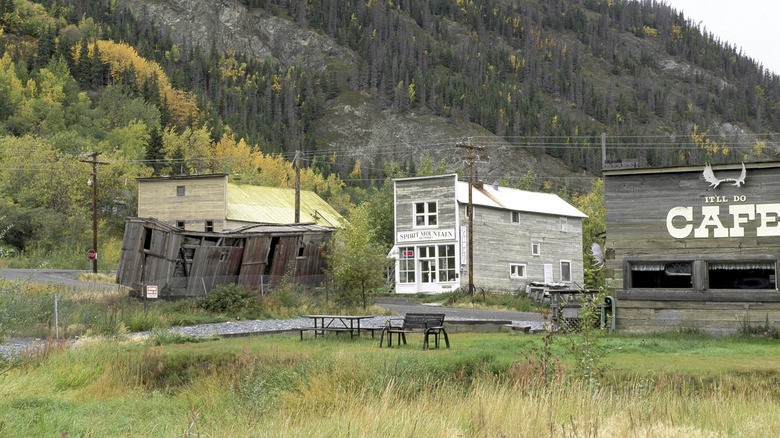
[335, 323]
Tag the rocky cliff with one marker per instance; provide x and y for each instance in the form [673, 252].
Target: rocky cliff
[352, 124]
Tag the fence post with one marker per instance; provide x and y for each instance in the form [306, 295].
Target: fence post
[56, 317]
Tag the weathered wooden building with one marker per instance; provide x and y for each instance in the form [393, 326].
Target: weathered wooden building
[694, 246]
[189, 263]
[519, 237]
[210, 203]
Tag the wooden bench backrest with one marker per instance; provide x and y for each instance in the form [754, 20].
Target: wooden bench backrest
[422, 320]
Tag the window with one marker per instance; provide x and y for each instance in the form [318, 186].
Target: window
[446, 263]
[565, 270]
[425, 214]
[209, 226]
[179, 190]
[536, 249]
[517, 270]
[515, 217]
[406, 264]
[652, 275]
[564, 224]
[741, 275]
[180, 224]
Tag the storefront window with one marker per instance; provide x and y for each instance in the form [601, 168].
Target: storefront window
[674, 275]
[406, 264]
[741, 275]
[446, 263]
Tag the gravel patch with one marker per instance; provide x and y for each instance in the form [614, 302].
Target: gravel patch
[242, 328]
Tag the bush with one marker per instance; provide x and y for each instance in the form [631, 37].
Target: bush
[232, 299]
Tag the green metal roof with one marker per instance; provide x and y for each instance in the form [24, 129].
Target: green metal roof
[271, 205]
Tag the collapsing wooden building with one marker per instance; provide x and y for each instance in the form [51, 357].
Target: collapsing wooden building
[189, 263]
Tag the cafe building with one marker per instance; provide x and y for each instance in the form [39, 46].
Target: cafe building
[519, 237]
[694, 247]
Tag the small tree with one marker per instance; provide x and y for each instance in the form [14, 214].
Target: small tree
[355, 259]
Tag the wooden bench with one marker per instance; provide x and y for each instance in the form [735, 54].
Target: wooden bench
[426, 323]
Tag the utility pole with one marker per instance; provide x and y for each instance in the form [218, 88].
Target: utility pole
[94, 162]
[470, 160]
[297, 186]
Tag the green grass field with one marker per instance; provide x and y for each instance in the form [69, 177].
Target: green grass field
[486, 385]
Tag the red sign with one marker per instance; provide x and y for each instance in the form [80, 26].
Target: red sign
[92, 254]
[407, 253]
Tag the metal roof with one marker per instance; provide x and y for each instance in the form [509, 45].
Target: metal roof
[517, 200]
[271, 205]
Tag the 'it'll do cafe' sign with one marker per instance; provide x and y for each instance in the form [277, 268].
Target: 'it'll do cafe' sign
[764, 218]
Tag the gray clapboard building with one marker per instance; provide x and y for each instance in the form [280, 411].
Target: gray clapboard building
[519, 237]
[694, 246]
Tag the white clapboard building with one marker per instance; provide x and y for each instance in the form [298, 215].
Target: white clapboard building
[519, 237]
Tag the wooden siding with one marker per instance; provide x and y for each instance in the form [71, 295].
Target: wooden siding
[637, 204]
[184, 263]
[421, 190]
[712, 316]
[205, 198]
[499, 243]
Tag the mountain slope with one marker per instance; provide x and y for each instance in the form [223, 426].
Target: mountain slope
[546, 76]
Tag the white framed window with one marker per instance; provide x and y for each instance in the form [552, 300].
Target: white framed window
[536, 249]
[514, 217]
[406, 264]
[426, 214]
[517, 270]
[446, 263]
[565, 270]
[564, 224]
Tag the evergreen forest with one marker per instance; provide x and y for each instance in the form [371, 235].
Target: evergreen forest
[537, 77]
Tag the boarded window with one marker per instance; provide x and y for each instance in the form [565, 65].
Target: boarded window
[179, 190]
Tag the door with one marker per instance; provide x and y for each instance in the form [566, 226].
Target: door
[427, 269]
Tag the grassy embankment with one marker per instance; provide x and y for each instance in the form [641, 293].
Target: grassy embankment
[485, 385]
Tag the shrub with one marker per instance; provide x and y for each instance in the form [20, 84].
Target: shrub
[231, 299]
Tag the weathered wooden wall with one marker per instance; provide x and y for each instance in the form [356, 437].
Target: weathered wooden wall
[185, 263]
[498, 243]
[205, 198]
[421, 190]
[637, 205]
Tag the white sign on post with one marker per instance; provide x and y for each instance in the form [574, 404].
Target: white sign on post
[151, 291]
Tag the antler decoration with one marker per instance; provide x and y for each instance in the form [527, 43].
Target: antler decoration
[710, 177]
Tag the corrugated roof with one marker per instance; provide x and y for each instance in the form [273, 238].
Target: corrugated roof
[517, 200]
[271, 205]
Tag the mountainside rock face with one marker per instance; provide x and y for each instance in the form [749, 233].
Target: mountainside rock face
[228, 25]
[352, 125]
